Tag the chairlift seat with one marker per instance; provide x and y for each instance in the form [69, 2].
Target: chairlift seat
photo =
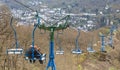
[89, 49]
[15, 51]
[39, 57]
[77, 51]
[103, 49]
[42, 57]
[60, 52]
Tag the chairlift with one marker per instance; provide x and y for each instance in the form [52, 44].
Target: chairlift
[60, 50]
[110, 40]
[16, 50]
[102, 43]
[33, 54]
[110, 43]
[77, 50]
[90, 48]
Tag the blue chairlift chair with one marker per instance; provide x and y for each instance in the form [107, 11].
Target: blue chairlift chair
[33, 54]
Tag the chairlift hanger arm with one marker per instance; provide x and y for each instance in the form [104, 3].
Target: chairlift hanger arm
[33, 34]
[15, 34]
[24, 5]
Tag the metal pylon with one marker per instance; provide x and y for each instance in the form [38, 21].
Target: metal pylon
[52, 29]
[51, 62]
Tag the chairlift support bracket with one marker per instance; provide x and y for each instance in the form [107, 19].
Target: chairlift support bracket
[52, 29]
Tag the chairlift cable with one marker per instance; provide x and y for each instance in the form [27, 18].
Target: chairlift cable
[24, 5]
[30, 9]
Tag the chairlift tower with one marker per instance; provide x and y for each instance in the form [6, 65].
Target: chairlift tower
[52, 29]
[77, 50]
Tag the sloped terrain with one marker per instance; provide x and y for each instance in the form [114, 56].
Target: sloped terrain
[68, 61]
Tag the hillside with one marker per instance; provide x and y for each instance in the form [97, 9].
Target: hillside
[68, 61]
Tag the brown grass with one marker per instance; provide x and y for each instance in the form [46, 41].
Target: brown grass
[68, 61]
